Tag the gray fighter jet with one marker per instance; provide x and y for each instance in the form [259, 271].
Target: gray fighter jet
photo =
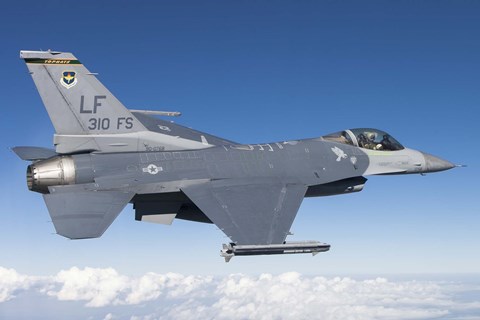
[107, 156]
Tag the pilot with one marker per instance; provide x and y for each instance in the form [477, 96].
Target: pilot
[367, 140]
[362, 140]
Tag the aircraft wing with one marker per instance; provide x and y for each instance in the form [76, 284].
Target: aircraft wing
[255, 213]
[78, 213]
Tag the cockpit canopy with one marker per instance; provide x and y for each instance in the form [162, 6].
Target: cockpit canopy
[367, 138]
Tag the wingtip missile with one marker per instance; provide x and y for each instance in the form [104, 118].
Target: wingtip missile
[314, 247]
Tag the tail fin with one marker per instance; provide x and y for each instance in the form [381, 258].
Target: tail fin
[77, 103]
[88, 118]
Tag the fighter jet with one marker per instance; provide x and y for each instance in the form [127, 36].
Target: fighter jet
[107, 156]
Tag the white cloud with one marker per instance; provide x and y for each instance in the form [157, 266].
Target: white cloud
[152, 285]
[12, 282]
[237, 296]
[100, 287]
[109, 316]
[292, 296]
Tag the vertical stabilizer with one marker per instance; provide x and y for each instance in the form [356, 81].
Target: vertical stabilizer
[88, 118]
[76, 101]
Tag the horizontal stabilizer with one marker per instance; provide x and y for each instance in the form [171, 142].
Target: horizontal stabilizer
[80, 214]
[33, 153]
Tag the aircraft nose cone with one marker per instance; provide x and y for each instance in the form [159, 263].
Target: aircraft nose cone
[434, 164]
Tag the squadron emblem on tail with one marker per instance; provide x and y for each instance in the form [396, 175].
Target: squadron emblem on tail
[68, 79]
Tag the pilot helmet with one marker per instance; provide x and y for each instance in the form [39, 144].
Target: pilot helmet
[371, 135]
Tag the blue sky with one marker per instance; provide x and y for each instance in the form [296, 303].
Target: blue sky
[256, 71]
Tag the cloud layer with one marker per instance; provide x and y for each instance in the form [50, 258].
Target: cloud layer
[237, 296]
[12, 282]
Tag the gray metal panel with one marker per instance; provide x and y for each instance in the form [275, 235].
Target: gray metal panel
[33, 153]
[80, 214]
[149, 208]
[85, 105]
[259, 213]
[172, 129]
